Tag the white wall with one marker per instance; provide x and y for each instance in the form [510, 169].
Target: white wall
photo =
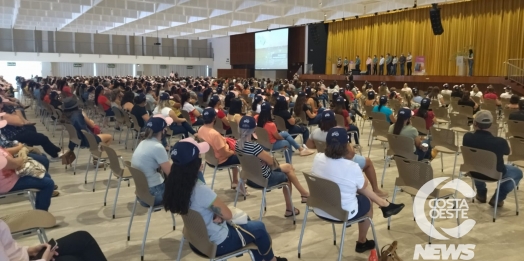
[154, 69]
[221, 50]
[120, 69]
[67, 69]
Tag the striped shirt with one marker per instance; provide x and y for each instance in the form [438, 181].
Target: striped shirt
[252, 148]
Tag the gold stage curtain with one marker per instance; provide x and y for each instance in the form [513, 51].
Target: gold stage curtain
[494, 29]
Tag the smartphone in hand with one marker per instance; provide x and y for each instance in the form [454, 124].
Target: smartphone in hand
[53, 245]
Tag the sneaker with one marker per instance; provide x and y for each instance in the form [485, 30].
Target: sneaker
[481, 199]
[492, 202]
[391, 210]
[306, 152]
[58, 158]
[280, 258]
[56, 187]
[55, 194]
[363, 247]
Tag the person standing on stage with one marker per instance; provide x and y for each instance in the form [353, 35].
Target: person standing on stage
[389, 62]
[402, 62]
[368, 65]
[357, 63]
[346, 64]
[394, 65]
[339, 65]
[409, 63]
[382, 61]
[375, 62]
[470, 62]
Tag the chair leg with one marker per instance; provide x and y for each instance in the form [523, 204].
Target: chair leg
[392, 201]
[180, 249]
[131, 220]
[375, 238]
[240, 183]
[342, 241]
[432, 223]
[76, 160]
[496, 202]
[370, 145]
[334, 234]
[44, 236]
[87, 167]
[174, 222]
[454, 166]
[262, 206]
[116, 196]
[127, 135]
[441, 162]
[386, 162]
[292, 205]
[96, 173]
[40, 237]
[516, 198]
[145, 232]
[107, 187]
[369, 136]
[32, 199]
[214, 175]
[304, 222]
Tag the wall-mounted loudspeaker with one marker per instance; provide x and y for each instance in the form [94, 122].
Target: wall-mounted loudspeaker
[436, 23]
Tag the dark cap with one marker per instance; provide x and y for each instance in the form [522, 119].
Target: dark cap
[341, 99]
[404, 114]
[383, 99]
[328, 115]
[300, 94]
[187, 150]
[484, 117]
[425, 102]
[247, 123]
[337, 135]
[69, 103]
[258, 98]
[281, 98]
[164, 96]
[209, 114]
[157, 124]
[371, 95]
[265, 106]
[231, 95]
[308, 91]
[214, 98]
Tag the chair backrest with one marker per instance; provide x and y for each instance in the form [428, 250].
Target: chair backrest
[490, 101]
[119, 115]
[141, 186]
[186, 116]
[115, 162]
[481, 161]
[517, 153]
[413, 173]
[251, 169]
[465, 110]
[219, 127]
[441, 113]
[234, 129]
[73, 135]
[340, 120]
[195, 231]
[402, 146]
[459, 120]
[134, 120]
[321, 146]
[325, 194]
[280, 122]
[476, 99]
[515, 127]
[263, 138]
[210, 157]
[507, 112]
[420, 124]
[489, 106]
[377, 116]
[368, 110]
[446, 97]
[443, 137]
[380, 128]
[26, 220]
[494, 128]
[127, 119]
[93, 144]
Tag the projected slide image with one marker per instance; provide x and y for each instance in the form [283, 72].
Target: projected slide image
[271, 49]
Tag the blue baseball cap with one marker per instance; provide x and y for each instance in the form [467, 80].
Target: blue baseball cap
[301, 93]
[265, 106]
[164, 96]
[258, 98]
[404, 114]
[337, 135]
[209, 114]
[341, 99]
[281, 98]
[328, 115]
[425, 102]
[371, 95]
[383, 99]
[231, 95]
[187, 150]
[247, 123]
[335, 95]
[214, 98]
[158, 123]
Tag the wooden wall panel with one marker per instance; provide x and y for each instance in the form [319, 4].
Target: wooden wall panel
[242, 50]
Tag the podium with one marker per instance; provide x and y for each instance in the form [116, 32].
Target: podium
[461, 65]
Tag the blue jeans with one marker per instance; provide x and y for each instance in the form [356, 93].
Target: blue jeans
[354, 128]
[277, 177]
[506, 187]
[185, 129]
[317, 118]
[40, 158]
[288, 142]
[424, 154]
[157, 192]
[260, 238]
[470, 63]
[46, 186]
[297, 129]
[198, 122]
[323, 99]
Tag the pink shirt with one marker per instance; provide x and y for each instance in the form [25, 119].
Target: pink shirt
[8, 177]
[9, 249]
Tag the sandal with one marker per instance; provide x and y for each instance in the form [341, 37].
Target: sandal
[55, 194]
[234, 186]
[297, 212]
[304, 199]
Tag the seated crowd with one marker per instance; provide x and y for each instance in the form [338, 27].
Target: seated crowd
[192, 108]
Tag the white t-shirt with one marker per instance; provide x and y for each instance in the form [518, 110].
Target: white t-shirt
[188, 107]
[347, 174]
[319, 135]
[505, 95]
[335, 89]
[445, 92]
[165, 111]
[478, 94]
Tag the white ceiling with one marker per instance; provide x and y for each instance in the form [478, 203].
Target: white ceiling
[184, 18]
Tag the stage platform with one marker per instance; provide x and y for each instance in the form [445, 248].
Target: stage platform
[420, 81]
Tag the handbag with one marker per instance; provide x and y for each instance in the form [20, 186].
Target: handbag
[231, 143]
[239, 216]
[68, 158]
[390, 254]
[31, 168]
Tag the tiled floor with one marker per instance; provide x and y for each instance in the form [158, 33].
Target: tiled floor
[78, 208]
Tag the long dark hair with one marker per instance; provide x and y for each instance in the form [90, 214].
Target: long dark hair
[301, 100]
[280, 106]
[255, 103]
[263, 118]
[98, 90]
[235, 106]
[206, 94]
[465, 96]
[44, 90]
[128, 97]
[184, 97]
[179, 187]
[339, 107]
[382, 103]
[397, 127]
[423, 111]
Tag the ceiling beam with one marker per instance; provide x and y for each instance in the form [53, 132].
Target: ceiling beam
[83, 11]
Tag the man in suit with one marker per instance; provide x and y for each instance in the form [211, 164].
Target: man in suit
[375, 62]
[402, 62]
[389, 61]
[357, 63]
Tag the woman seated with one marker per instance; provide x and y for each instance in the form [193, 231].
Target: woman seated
[513, 102]
[435, 96]
[382, 108]
[139, 110]
[101, 98]
[54, 101]
[279, 174]
[235, 110]
[278, 139]
[184, 192]
[312, 105]
[301, 107]
[214, 102]
[352, 129]
[255, 106]
[403, 128]
[80, 246]
[81, 122]
[194, 114]
[371, 100]
[329, 121]
[336, 165]
[44, 94]
[424, 113]
[467, 101]
[282, 110]
[127, 100]
[180, 125]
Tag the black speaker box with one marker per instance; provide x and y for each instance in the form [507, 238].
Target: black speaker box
[436, 23]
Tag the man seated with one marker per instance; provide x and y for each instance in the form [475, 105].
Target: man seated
[484, 140]
[518, 115]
